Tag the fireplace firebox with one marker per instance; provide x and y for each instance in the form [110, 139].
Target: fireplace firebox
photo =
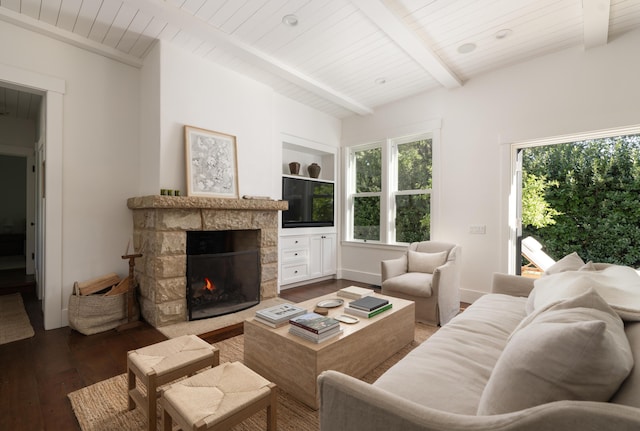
[223, 272]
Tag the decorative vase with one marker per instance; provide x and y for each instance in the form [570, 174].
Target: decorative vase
[294, 168]
[314, 170]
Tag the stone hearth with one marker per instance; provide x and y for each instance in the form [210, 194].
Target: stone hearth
[160, 224]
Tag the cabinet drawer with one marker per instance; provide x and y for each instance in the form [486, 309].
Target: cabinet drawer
[294, 242]
[293, 254]
[292, 272]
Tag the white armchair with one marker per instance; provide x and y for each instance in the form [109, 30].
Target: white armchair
[428, 274]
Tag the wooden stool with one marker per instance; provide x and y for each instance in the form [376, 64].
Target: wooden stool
[218, 399]
[162, 363]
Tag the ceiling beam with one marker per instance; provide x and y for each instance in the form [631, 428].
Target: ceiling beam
[596, 22]
[191, 24]
[408, 41]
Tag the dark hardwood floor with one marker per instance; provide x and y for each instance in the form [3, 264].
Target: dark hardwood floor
[36, 374]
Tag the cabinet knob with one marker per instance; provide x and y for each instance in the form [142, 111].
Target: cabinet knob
[296, 241]
[295, 272]
[295, 254]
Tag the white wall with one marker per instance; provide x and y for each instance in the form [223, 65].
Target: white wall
[195, 92]
[98, 160]
[567, 92]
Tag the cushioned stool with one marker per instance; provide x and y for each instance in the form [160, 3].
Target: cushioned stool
[218, 399]
[162, 363]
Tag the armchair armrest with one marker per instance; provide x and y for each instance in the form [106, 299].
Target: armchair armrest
[445, 285]
[347, 403]
[394, 267]
[513, 285]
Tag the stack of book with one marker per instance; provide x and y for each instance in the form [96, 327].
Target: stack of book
[315, 327]
[355, 292]
[278, 315]
[367, 306]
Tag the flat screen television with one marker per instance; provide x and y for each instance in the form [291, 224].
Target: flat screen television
[310, 202]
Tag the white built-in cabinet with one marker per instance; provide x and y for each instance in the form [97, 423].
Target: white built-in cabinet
[322, 255]
[305, 257]
[308, 253]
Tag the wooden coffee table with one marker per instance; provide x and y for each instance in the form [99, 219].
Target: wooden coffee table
[294, 363]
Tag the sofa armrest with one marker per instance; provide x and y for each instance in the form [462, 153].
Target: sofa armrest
[393, 267]
[347, 403]
[513, 285]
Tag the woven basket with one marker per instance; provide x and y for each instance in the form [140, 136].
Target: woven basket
[90, 314]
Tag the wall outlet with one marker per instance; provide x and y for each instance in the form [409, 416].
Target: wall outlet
[478, 229]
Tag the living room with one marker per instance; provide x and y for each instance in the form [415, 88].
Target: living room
[115, 131]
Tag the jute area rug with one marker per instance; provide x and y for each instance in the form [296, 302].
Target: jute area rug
[103, 406]
[14, 322]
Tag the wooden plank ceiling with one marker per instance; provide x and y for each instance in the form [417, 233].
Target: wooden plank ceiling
[342, 56]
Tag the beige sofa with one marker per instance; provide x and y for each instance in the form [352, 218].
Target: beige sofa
[443, 383]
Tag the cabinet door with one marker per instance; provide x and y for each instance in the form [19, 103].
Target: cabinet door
[315, 256]
[328, 254]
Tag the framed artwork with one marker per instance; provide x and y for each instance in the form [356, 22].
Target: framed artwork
[212, 163]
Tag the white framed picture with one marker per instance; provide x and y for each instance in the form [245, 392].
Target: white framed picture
[212, 163]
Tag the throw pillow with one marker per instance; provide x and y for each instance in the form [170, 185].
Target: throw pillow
[571, 262]
[574, 350]
[425, 262]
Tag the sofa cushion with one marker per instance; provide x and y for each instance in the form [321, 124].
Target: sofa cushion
[425, 262]
[574, 350]
[449, 371]
[410, 283]
[618, 285]
[629, 392]
[571, 262]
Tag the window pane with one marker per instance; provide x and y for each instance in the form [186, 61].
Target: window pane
[369, 170]
[413, 218]
[414, 165]
[366, 218]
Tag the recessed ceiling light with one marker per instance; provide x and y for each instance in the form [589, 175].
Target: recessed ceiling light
[501, 34]
[466, 48]
[290, 20]
[381, 81]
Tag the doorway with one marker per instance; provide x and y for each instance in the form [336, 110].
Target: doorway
[578, 194]
[20, 113]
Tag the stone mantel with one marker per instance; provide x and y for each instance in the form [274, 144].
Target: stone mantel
[191, 202]
[160, 226]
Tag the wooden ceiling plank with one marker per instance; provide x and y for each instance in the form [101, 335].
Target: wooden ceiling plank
[406, 40]
[246, 52]
[596, 22]
[68, 14]
[31, 8]
[86, 17]
[105, 17]
[67, 37]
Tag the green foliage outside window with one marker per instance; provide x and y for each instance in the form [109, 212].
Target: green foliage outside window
[587, 196]
[412, 222]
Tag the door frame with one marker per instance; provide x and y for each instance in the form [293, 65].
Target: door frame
[49, 259]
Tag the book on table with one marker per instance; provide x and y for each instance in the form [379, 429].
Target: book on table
[315, 323]
[279, 315]
[316, 338]
[367, 314]
[355, 292]
[368, 303]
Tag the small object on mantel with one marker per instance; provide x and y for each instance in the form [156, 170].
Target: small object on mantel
[259, 198]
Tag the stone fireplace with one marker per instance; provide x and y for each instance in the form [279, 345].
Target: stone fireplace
[160, 231]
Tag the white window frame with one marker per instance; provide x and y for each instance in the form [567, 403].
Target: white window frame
[388, 193]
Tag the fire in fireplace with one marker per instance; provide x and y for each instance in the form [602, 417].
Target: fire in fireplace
[223, 272]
